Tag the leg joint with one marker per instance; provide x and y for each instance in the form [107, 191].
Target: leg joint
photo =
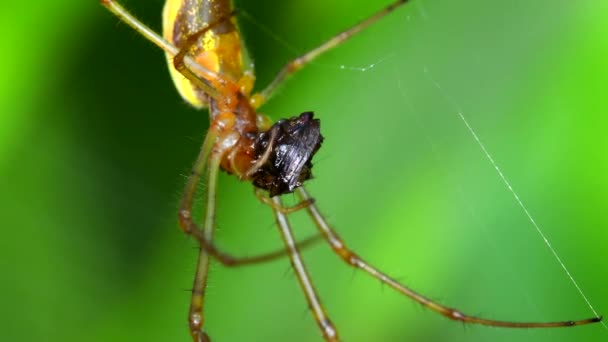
[347, 255]
[195, 321]
[329, 331]
[184, 218]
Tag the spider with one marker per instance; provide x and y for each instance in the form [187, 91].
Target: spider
[209, 66]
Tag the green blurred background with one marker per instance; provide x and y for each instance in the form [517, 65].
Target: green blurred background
[95, 143]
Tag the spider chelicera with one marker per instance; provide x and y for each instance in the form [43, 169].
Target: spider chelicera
[207, 61]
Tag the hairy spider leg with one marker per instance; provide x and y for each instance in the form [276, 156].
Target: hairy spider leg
[314, 302]
[351, 258]
[299, 62]
[210, 167]
[285, 210]
[169, 48]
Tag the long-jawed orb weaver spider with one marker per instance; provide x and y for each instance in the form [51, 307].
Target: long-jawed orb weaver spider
[210, 68]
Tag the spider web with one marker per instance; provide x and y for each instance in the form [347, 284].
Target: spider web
[456, 109]
[516, 197]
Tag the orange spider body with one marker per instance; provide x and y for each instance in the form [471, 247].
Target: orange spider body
[220, 50]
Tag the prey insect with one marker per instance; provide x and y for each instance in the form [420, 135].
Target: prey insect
[211, 69]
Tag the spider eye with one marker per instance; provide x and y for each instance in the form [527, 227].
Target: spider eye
[289, 164]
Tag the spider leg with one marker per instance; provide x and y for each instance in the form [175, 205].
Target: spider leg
[329, 331]
[229, 260]
[149, 34]
[285, 210]
[199, 168]
[352, 259]
[299, 62]
[180, 65]
[207, 163]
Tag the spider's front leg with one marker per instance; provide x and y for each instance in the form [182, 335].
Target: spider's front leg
[299, 62]
[192, 69]
[207, 164]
